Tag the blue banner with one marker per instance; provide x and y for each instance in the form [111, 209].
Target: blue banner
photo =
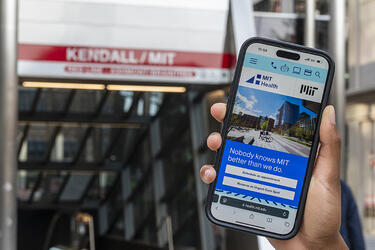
[266, 161]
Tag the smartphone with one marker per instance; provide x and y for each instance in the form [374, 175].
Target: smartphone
[270, 138]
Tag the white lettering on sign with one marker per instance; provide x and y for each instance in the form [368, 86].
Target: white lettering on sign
[161, 58]
[102, 55]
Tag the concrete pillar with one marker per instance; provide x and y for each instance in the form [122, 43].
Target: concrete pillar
[8, 123]
[309, 34]
[338, 51]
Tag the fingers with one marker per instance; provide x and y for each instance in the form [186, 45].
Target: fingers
[218, 111]
[214, 141]
[328, 160]
[208, 174]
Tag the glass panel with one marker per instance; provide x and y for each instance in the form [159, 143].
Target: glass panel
[52, 100]
[277, 28]
[178, 162]
[322, 35]
[85, 101]
[290, 30]
[322, 7]
[75, 187]
[155, 103]
[184, 220]
[361, 56]
[96, 144]
[37, 143]
[173, 119]
[143, 203]
[67, 143]
[101, 186]
[115, 205]
[26, 181]
[49, 187]
[114, 103]
[25, 98]
[140, 165]
[128, 100]
[106, 182]
[20, 130]
[290, 6]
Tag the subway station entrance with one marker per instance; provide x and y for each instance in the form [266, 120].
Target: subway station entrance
[117, 161]
[111, 132]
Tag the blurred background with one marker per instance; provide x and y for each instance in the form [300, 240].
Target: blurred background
[113, 113]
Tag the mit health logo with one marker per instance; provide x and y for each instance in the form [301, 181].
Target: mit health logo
[263, 80]
[257, 81]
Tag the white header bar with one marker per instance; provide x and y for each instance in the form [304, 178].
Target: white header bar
[283, 85]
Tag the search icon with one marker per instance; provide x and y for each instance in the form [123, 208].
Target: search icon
[317, 73]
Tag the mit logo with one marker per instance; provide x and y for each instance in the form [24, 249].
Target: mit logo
[257, 81]
[308, 90]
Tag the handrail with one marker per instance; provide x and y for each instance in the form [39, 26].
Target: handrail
[168, 222]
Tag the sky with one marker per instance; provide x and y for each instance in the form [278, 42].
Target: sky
[262, 103]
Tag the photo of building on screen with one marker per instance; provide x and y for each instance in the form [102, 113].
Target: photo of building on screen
[273, 121]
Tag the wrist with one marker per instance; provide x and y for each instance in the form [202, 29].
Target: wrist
[331, 243]
[301, 243]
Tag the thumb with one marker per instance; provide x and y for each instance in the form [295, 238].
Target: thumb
[327, 166]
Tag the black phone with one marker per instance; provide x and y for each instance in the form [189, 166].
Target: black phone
[270, 138]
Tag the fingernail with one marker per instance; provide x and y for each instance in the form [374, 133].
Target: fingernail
[208, 173]
[332, 115]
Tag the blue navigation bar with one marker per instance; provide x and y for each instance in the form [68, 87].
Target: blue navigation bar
[286, 68]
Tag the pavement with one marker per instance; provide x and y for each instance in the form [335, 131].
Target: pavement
[278, 142]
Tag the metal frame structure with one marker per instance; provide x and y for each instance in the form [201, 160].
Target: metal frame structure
[199, 131]
[148, 128]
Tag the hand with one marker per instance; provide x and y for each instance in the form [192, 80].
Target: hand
[321, 221]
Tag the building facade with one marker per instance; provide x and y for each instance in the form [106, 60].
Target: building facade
[287, 115]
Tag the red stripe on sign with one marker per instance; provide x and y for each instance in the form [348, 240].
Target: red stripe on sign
[102, 55]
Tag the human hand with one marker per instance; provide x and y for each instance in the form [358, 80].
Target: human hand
[322, 217]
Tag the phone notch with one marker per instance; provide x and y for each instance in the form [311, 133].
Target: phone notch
[288, 55]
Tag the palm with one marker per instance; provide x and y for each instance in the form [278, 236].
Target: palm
[322, 206]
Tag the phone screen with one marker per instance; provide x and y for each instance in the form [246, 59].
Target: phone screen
[268, 141]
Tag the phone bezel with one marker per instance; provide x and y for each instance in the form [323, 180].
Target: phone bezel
[311, 161]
